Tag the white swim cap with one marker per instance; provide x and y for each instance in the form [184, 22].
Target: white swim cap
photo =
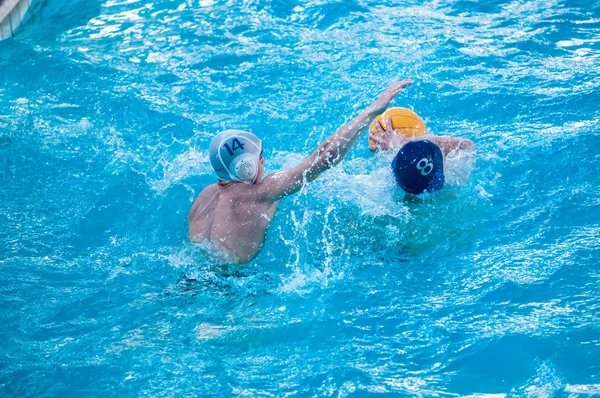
[234, 154]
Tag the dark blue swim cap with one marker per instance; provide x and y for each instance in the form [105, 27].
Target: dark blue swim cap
[419, 167]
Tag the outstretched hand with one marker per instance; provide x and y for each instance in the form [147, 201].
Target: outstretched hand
[388, 95]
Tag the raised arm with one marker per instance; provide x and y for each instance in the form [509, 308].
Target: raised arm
[329, 153]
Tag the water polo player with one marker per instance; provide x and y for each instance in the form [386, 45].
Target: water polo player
[419, 165]
[233, 215]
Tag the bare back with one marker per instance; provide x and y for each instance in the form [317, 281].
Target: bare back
[232, 219]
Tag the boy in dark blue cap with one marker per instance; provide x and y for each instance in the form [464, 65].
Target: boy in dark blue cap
[418, 166]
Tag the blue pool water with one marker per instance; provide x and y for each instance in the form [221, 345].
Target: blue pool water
[490, 287]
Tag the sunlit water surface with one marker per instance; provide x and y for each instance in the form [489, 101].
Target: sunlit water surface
[492, 286]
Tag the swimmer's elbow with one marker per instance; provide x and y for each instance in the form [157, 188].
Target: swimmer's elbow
[329, 155]
[467, 144]
[326, 156]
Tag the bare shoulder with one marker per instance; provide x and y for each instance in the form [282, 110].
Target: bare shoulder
[206, 192]
[239, 192]
[272, 187]
[448, 143]
[272, 178]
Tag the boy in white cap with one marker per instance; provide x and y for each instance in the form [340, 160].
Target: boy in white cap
[233, 215]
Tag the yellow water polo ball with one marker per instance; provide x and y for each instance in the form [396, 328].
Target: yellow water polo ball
[404, 121]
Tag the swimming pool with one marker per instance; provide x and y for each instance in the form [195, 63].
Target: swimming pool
[490, 287]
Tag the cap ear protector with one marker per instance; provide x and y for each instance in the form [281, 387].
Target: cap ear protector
[244, 168]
